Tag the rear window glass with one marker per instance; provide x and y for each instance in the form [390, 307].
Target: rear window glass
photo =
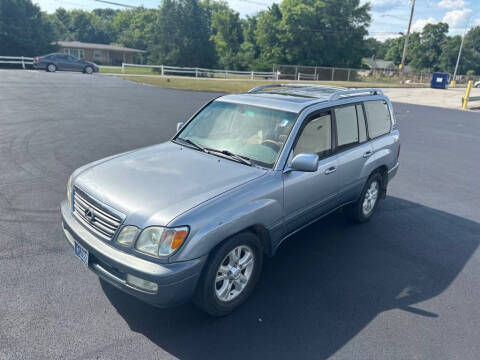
[347, 126]
[378, 118]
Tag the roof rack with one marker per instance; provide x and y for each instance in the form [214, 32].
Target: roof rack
[298, 86]
[330, 92]
[355, 92]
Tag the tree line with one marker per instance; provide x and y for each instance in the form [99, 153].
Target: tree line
[208, 33]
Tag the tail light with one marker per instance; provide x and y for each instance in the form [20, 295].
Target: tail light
[37, 58]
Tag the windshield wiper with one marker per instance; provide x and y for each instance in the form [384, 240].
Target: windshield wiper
[194, 144]
[242, 159]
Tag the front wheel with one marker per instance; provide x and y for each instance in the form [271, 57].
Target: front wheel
[230, 275]
[88, 70]
[362, 210]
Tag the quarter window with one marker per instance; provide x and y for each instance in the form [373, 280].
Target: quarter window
[378, 118]
[347, 125]
[316, 137]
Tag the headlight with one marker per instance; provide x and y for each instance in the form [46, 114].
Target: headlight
[160, 241]
[69, 192]
[127, 235]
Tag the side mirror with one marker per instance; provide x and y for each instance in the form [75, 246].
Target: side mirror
[179, 126]
[304, 162]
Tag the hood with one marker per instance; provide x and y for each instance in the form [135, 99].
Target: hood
[153, 185]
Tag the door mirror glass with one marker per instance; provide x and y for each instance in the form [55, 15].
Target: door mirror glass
[179, 126]
[305, 162]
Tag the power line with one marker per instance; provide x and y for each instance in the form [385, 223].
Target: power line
[117, 4]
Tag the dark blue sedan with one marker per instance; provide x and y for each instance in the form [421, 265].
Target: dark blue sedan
[64, 62]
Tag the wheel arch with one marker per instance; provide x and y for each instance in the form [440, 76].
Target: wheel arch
[383, 171]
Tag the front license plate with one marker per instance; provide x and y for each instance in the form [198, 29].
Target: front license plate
[81, 253]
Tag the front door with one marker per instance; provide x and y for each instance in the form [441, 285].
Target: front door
[308, 195]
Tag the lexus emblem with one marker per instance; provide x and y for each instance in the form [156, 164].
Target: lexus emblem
[90, 214]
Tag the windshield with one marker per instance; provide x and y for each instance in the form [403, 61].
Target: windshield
[252, 132]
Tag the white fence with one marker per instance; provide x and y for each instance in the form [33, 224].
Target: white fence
[21, 60]
[197, 72]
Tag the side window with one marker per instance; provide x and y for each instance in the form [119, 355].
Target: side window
[316, 137]
[347, 125]
[378, 118]
[362, 131]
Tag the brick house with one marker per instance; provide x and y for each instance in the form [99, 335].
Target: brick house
[101, 53]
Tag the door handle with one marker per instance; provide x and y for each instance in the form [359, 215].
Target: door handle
[367, 154]
[330, 170]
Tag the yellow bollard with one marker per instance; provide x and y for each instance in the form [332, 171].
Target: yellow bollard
[453, 83]
[467, 94]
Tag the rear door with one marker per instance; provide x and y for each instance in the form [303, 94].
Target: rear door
[353, 150]
[379, 123]
[308, 195]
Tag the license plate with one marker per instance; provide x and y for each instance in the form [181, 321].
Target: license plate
[81, 253]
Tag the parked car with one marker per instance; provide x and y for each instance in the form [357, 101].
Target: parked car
[63, 62]
[477, 84]
[194, 216]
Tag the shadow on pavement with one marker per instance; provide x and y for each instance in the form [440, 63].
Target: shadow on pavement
[322, 288]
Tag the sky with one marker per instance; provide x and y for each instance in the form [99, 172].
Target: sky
[389, 17]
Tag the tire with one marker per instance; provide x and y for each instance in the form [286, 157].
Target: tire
[216, 296]
[88, 70]
[363, 209]
[51, 68]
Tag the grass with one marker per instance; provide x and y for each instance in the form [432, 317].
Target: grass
[131, 70]
[236, 86]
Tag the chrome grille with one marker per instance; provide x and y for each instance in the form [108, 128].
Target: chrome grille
[94, 216]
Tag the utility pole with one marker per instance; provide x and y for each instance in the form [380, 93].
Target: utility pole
[405, 45]
[453, 82]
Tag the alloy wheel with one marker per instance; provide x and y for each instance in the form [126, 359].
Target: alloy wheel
[370, 198]
[234, 273]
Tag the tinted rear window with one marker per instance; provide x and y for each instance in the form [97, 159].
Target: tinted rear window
[378, 118]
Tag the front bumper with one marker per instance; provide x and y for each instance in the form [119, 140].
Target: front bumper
[176, 281]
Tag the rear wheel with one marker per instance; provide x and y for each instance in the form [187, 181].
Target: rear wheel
[362, 210]
[230, 275]
[51, 68]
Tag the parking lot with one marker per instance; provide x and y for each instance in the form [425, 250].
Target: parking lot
[403, 286]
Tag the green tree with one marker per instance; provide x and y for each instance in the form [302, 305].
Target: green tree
[228, 37]
[135, 28]
[314, 32]
[471, 51]
[432, 41]
[374, 47]
[449, 53]
[269, 39]
[395, 49]
[88, 27]
[24, 29]
[182, 35]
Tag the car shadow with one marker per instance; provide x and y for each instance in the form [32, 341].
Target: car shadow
[322, 288]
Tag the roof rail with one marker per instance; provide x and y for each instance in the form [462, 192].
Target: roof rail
[271, 86]
[355, 92]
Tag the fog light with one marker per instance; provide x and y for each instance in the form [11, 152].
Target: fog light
[141, 284]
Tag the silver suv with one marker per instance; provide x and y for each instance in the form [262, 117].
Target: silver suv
[194, 217]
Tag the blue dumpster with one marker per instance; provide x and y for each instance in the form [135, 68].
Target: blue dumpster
[440, 80]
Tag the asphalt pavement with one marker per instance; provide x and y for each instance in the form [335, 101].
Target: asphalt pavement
[403, 286]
